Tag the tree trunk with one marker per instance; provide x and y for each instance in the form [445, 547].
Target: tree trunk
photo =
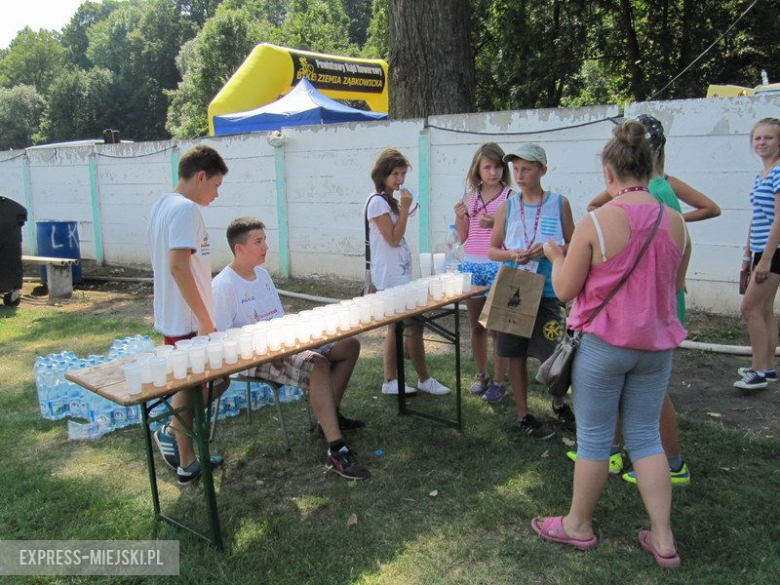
[431, 63]
[635, 64]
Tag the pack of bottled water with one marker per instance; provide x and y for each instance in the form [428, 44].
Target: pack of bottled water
[59, 398]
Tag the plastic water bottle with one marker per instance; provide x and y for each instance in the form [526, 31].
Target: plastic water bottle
[289, 394]
[46, 388]
[83, 432]
[453, 250]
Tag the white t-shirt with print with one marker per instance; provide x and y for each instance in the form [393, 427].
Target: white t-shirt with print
[177, 224]
[240, 302]
[390, 265]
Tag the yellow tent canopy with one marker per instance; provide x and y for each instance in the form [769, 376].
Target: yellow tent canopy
[271, 71]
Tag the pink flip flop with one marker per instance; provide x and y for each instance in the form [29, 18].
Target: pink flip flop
[551, 530]
[647, 544]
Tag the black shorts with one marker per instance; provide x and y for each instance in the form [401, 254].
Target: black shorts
[549, 326]
[774, 266]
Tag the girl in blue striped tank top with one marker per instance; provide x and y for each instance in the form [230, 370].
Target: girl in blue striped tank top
[763, 255]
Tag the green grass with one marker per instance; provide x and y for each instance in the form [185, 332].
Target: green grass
[285, 521]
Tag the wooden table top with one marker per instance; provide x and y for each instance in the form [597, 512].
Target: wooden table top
[108, 380]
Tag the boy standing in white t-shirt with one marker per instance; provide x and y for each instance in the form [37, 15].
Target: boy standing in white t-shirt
[183, 303]
[245, 294]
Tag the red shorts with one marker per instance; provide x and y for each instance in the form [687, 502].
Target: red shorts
[173, 340]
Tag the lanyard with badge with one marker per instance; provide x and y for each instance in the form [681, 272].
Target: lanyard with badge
[531, 265]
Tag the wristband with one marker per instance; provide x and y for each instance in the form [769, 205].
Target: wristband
[747, 258]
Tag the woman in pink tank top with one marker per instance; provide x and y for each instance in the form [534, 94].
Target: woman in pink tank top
[624, 356]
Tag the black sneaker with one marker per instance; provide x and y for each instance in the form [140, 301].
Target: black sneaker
[528, 425]
[566, 417]
[348, 424]
[346, 464]
[751, 381]
[191, 474]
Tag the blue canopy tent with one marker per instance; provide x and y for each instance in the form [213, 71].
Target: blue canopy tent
[303, 106]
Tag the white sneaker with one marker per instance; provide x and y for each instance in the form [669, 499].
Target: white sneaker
[391, 388]
[433, 386]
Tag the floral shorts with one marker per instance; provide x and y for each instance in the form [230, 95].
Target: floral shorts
[296, 369]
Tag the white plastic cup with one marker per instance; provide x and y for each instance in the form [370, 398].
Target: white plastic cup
[365, 311]
[436, 289]
[318, 325]
[217, 335]
[230, 349]
[245, 346]
[354, 314]
[178, 359]
[164, 350]
[331, 322]
[197, 355]
[184, 344]
[422, 294]
[303, 329]
[343, 314]
[200, 340]
[234, 332]
[448, 284]
[146, 371]
[388, 304]
[377, 308]
[159, 367]
[399, 300]
[438, 263]
[410, 294]
[466, 277]
[288, 334]
[274, 337]
[426, 264]
[214, 353]
[133, 374]
[260, 339]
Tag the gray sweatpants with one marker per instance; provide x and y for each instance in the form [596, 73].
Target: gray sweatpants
[607, 379]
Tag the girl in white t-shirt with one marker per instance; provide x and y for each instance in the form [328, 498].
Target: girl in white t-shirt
[391, 263]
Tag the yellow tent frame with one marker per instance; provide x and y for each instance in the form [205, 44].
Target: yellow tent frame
[271, 71]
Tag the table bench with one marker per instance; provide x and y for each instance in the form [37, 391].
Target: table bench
[59, 274]
[107, 380]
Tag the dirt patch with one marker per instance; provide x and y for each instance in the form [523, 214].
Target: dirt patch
[701, 383]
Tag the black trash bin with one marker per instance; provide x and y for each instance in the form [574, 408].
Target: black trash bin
[12, 217]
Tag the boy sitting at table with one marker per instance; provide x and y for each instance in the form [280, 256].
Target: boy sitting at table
[245, 294]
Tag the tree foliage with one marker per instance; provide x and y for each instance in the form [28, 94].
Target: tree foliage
[21, 109]
[33, 58]
[164, 60]
[81, 105]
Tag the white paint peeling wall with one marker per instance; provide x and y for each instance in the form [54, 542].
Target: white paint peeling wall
[327, 172]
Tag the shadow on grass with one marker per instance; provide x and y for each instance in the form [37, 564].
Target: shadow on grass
[441, 506]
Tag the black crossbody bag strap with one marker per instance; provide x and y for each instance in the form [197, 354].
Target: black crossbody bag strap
[368, 235]
[623, 280]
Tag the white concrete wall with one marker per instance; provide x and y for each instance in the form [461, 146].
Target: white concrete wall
[326, 169]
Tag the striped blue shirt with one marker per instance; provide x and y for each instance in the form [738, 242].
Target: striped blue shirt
[762, 197]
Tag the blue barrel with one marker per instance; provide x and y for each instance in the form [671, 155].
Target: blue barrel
[59, 239]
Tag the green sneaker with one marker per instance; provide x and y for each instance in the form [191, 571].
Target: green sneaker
[682, 477]
[615, 462]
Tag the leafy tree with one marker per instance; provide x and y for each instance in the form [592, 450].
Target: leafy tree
[74, 35]
[81, 105]
[33, 58]
[21, 110]
[377, 45]
[359, 13]
[207, 62]
[318, 25]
